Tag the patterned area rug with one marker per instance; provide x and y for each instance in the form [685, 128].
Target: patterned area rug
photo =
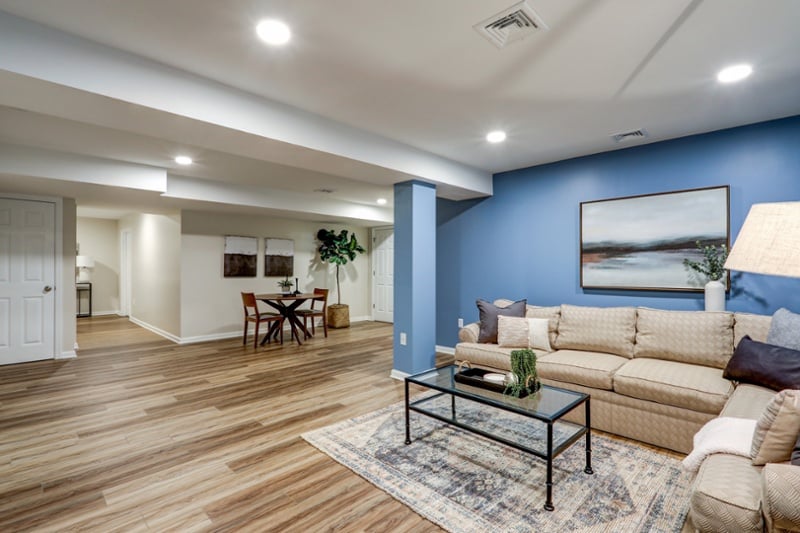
[465, 482]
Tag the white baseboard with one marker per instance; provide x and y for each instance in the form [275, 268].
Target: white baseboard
[445, 349]
[157, 331]
[104, 313]
[209, 338]
[216, 336]
[69, 354]
[398, 374]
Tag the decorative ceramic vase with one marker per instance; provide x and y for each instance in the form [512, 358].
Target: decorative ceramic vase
[715, 296]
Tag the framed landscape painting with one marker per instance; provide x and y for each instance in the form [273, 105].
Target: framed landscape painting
[640, 242]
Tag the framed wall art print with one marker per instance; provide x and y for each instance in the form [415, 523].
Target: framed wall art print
[640, 242]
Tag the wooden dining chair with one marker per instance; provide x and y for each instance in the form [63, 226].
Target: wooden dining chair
[313, 311]
[252, 314]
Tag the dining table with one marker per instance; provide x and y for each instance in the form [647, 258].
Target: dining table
[286, 304]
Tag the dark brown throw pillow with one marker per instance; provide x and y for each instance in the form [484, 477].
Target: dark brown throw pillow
[796, 452]
[764, 364]
[488, 317]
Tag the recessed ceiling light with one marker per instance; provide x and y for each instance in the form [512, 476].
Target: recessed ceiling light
[496, 136]
[273, 31]
[183, 160]
[381, 201]
[734, 73]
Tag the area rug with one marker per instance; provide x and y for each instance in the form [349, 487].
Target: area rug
[467, 483]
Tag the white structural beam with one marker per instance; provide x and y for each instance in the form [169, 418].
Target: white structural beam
[36, 51]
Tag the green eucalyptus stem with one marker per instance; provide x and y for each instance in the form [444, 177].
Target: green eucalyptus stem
[713, 264]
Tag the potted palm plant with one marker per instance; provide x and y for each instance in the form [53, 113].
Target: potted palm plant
[338, 249]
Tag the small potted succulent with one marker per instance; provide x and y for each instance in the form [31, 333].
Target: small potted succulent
[286, 285]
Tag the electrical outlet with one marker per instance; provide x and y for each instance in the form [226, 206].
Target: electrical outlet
[461, 322]
[403, 339]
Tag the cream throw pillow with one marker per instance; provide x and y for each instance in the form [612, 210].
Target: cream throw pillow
[516, 332]
[512, 332]
[777, 429]
[538, 337]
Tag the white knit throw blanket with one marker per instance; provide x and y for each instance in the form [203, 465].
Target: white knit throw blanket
[721, 435]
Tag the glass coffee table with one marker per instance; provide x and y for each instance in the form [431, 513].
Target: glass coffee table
[548, 406]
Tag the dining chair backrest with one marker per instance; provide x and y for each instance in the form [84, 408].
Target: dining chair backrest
[249, 302]
[324, 293]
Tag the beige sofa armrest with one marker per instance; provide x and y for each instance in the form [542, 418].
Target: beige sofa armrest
[469, 333]
[780, 484]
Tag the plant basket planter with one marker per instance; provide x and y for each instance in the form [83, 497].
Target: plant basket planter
[338, 316]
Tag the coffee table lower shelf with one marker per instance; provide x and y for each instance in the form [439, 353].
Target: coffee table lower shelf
[552, 449]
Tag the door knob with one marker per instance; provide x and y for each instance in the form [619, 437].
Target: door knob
[48, 288]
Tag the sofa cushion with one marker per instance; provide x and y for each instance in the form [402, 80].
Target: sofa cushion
[747, 401]
[699, 388]
[488, 317]
[591, 369]
[777, 429]
[697, 337]
[784, 330]
[597, 329]
[763, 364]
[727, 495]
[481, 354]
[756, 326]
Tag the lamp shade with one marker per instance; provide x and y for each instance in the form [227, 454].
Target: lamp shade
[769, 241]
[84, 261]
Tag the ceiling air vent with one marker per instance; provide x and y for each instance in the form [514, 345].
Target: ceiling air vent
[629, 136]
[512, 24]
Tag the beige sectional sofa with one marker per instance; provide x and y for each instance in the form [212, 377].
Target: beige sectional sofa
[656, 376]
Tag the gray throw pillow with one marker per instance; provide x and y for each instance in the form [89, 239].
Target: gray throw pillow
[784, 330]
[488, 317]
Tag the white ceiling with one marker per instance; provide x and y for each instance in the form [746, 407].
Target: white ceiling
[413, 76]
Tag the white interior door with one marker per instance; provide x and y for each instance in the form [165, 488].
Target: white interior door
[27, 280]
[383, 274]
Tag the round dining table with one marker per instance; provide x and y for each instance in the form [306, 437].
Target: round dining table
[286, 305]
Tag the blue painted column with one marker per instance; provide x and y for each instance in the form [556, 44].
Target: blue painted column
[414, 277]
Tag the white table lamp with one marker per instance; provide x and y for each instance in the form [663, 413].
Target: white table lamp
[769, 241]
[83, 263]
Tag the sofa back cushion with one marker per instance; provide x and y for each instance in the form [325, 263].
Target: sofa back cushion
[697, 337]
[597, 329]
[754, 326]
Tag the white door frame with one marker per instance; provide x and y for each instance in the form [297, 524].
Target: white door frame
[372, 266]
[63, 283]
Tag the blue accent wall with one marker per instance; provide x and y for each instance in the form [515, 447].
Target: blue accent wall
[523, 242]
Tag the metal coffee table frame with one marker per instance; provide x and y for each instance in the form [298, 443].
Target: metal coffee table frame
[514, 405]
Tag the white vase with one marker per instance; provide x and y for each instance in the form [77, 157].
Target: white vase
[715, 296]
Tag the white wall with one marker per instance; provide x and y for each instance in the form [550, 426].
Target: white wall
[99, 239]
[156, 269]
[211, 304]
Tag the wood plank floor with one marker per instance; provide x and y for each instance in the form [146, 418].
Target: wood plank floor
[140, 434]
